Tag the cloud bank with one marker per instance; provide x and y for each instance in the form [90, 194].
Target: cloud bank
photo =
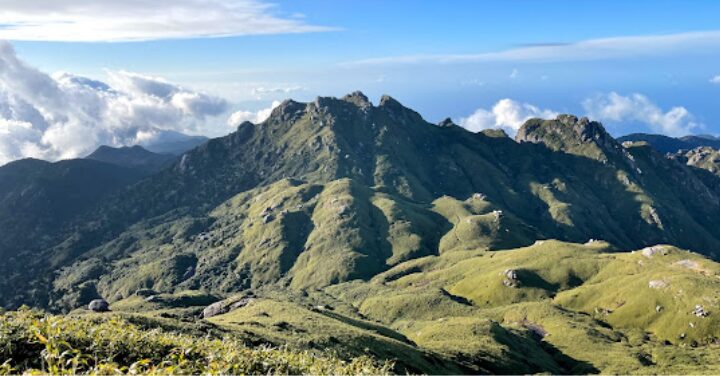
[506, 114]
[613, 107]
[136, 20]
[65, 116]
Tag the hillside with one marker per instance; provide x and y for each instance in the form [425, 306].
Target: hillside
[38, 200]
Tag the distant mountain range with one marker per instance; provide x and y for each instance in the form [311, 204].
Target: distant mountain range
[132, 157]
[666, 144]
[176, 143]
[370, 221]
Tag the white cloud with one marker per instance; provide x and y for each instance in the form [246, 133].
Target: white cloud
[254, 117]
[613, 107]
[591, 49]
[506, 114]
[514, 74]
[131, 20]
[66, 116]
[715, 80]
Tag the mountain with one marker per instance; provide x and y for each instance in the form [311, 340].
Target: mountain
[132, 157]
[175, 143]
[665, 144]
[372, 186]
[364, 229]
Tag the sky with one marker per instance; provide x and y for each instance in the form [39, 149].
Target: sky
[75, 74]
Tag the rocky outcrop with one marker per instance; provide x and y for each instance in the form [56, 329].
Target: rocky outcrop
[225, 306]
[572, 135]
[511, 278]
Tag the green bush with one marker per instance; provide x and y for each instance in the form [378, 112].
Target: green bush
[34, 342]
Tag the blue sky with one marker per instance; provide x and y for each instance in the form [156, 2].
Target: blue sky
[635, 65]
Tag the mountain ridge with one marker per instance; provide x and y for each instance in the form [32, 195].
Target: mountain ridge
[566, 179]
[339, 225]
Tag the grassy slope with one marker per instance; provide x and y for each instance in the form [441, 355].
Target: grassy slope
[596, 309]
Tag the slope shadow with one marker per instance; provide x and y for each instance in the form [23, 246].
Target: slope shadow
[530, 355]
[529, 278]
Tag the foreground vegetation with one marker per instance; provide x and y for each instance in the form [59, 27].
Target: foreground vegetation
[31, 341]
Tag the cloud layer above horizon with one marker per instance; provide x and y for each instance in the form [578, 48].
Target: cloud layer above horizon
[612, 108]
[137, 20]
[65, 116]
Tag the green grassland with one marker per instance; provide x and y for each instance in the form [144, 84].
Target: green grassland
[572, 308]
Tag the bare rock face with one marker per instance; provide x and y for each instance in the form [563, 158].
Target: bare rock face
[99, 305]
[649, 252]
[217, 308]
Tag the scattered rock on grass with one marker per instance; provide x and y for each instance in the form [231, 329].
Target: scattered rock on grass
[657, 284]
[700, 311]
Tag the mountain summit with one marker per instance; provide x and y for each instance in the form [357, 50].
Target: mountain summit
[332, 213]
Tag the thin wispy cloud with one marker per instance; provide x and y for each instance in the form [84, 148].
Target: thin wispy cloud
[715, 80]
[137, 20]
[591, 49]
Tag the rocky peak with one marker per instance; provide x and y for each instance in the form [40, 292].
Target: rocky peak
[388, 101]
[397, 112]
[447, 122]
[568, 133]
[358, 98]
[287, 110]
